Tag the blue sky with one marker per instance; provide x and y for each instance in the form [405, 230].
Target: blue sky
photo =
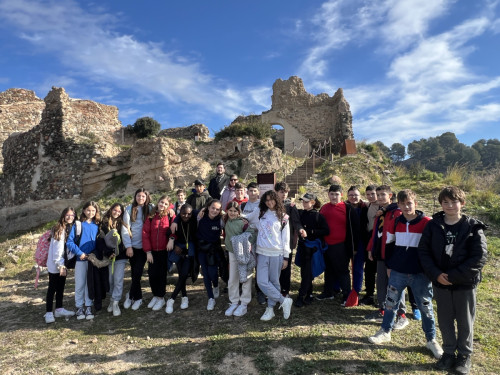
[410, 69]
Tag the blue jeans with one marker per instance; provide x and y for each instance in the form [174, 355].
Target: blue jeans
[210, 273]
[422, 290]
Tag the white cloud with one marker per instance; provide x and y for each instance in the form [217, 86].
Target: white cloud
[87, 43]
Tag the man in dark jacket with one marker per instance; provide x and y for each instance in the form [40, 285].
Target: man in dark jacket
[219, 182]
[200, 196]
[452, 252]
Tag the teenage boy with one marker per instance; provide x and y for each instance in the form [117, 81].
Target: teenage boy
[239, 194]
[229, 192]
[200, 196]
[452, 252]
[366, 233]
[295, 226]
[342, 243]
[376, 251]
[360, 208]
[247, 208]
[404, 270]
[219, 182]
[181, 199]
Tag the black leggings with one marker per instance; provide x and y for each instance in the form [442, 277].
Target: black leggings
[137, 263]
[56, 286]
[183, 267]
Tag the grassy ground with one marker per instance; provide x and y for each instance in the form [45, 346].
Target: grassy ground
[319, 339]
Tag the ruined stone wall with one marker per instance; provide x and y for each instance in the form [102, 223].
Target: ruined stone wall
[20, 110]
[49, 160]
[308, 117]
[187, 132]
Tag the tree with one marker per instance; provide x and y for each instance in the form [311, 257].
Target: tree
[448, 141]
[146, 127]
[385, 150]
[397, 152]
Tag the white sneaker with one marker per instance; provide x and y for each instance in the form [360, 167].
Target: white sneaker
[216, 292]
[170, 306]
[287, 307]
[240, 311]
[137, 304]
[435, 348]
[211, 304]
[110, 306]
[160, 302]
[49, 317]
[63, 313]
[88, 313]
[80, 313]
[116, 309]
[380, 337]
[128, 302]
[268, 314]
[230, 310]
[152, 302]
[184, 303]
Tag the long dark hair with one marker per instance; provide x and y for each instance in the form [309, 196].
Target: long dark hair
[145, 209]
[108, 218]
[279, 207]
[61, 225]
[229, 205]
[97, 217]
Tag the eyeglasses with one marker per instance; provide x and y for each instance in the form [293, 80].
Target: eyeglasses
[234, 179]
[69, 215]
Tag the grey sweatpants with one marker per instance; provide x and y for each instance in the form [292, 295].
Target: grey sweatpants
[268, 277]
[456, 306]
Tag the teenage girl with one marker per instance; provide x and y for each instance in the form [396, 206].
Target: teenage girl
[273, 250]
[314, 227]
[209, 249]
[90, 219]
[56, 266]
[182, 252]
[155, 232]
[113, 219]
[134, 217]
[235, 225]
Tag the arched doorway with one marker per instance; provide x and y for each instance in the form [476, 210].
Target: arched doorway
[278, 136]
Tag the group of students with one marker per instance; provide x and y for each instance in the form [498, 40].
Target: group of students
[393, 245]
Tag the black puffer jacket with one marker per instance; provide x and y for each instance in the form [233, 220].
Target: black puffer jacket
[469, 252]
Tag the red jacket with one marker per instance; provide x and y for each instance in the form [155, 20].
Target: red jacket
[379, 235]
[155, 232]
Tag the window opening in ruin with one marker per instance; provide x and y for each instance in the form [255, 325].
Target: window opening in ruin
[278, 136]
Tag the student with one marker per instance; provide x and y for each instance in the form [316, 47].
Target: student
[155, 232]
[200, 196]
[56, 266]
[273, 251]
[314, 229]
[376, 251]
[229, 192]
[360, 208]
[246, 208]
[342, 242]
[209, 249]
[134, 217]
[234, 225]
[452, 252]
[182, 242]
[219, 182]
[113, 219]
[90, 219]
[239, 194]
[366, 232]
[181, 200]
[282, 189]
[404, 270]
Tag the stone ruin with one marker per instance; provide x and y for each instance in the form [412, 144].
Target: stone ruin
[306, 117]
[60, 151]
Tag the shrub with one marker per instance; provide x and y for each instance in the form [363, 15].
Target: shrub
[256, 128]
[146, 127]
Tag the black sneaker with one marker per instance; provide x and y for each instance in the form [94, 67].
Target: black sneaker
[299, 302]
[323, 296]
[366, 301]
[462, 365]
[446, 362]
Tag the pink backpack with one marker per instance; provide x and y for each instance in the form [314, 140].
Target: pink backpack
[42, 253]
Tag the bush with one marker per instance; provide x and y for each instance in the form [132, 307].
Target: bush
[254, 128]
[146, 127]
